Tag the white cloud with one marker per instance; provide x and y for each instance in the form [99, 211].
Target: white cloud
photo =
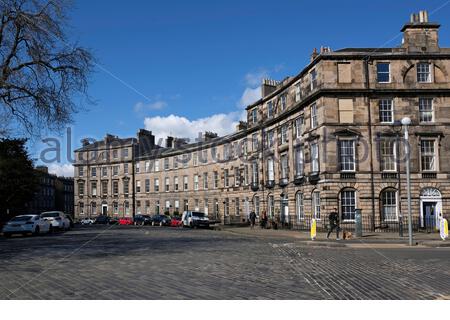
[252, 92]
[254, 79]
[157, 105]
[182, 127]
[61, 170]
[249, 96]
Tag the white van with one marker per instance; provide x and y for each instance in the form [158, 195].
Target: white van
[194, 219]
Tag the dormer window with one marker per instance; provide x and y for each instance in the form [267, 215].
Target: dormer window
[313, 79]
[283, 102]
[270, 110]
[254, 116]
[298, 93]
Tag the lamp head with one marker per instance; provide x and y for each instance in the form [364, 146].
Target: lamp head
[406, 121]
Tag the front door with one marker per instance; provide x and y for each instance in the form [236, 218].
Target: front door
[429, 215]
[105, 209]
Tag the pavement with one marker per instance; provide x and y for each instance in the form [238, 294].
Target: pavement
[378, 239]
[130, 262]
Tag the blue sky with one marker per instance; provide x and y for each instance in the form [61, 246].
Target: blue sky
[179, 67]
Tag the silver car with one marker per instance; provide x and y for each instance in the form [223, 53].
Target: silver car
[26, 224]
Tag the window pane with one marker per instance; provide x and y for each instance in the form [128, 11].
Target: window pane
[388, 155]
[428, 155]
[383, 72]
[347, 153]
[423, 72]
[348, 205]
[389, 205]
[386, 111]
[426, 109]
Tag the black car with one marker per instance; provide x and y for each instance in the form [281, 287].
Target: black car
[142, 219]
[102, 220]
[161, 220]
[113, 221]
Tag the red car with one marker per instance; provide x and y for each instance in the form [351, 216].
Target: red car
[125, 221]
[176, 222]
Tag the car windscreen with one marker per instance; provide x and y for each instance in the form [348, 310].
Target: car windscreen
[198, 214]
[50, 215]
[22, 218]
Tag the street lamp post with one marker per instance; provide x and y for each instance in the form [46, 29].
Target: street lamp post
[406, 122]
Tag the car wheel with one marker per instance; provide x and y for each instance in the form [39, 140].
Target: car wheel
[50, 229]
[36, 231]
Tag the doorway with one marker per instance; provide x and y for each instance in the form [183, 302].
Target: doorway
[429, 215]
[430, 209]
[104, 209]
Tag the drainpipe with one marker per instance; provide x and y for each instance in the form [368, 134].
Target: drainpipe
[263, 169]
[133, 194]
[372, 183]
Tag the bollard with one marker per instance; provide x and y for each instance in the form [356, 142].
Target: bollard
[358, 223]
[444, 229]
[313, 229]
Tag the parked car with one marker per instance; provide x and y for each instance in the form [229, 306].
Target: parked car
[125, 221]
[176, 222]
[103, 219]
[87, 221]
[26, 224]
[113, 221]
[72, 223]
[160, 220]
[195, 219]
[142, 219]
[57, 219]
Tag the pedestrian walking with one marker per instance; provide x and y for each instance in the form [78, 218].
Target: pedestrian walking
[334, 224]
[252, 219]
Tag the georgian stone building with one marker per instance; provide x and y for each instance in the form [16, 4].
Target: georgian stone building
[326, 138]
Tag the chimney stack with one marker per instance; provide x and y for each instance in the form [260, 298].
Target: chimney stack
[85, 142]
[420, 35]
[268, 86]
[169, 142]
[314, 54]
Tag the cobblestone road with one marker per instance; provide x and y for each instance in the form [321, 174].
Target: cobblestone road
[163, 263]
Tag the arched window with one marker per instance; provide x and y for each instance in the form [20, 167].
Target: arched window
[299, 206]
[389, 206]
[348, 204]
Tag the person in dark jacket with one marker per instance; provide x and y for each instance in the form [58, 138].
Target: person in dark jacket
[333, 219]
[252, 219]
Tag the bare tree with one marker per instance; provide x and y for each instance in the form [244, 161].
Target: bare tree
[41, 74]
